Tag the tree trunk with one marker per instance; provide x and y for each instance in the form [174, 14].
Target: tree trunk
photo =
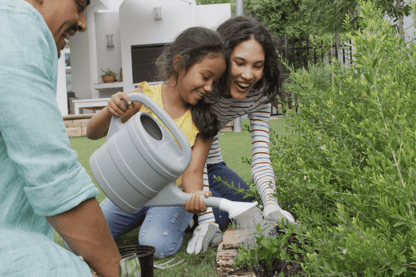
[401, 31]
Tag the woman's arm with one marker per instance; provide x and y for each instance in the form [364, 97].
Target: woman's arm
[192, 177]
[100, 122]
[261, 169]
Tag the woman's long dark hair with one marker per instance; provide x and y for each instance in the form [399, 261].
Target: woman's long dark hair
[192, 45]
[242, 28]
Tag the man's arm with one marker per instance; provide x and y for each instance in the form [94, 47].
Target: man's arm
[31, 125]
[86, 232]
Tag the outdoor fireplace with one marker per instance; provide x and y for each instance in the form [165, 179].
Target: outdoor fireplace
[144, 61]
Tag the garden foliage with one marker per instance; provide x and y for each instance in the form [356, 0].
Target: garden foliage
[301, 18]
[281, 17]
[348, 171]
[328, 15]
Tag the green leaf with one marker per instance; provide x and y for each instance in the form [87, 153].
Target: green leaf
[375, 62]
[369, 78]
[258, 227]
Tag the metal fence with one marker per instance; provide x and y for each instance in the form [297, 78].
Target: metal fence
[298, 53]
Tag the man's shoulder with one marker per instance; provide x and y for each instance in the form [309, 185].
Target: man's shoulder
[22, 16]
[19, 7]
[22, 23]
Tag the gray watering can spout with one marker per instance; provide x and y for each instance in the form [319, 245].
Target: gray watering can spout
[140, 161]
[171, 195]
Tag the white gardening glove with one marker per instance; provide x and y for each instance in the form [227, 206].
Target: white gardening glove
[205, 235]
[272, 213]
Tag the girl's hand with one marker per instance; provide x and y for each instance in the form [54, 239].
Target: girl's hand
[195, 204]
[116, 107]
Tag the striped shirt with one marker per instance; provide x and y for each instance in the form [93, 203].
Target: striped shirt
[256, 107]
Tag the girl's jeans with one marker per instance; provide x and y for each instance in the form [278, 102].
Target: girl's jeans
[163, 227]
[218, 189]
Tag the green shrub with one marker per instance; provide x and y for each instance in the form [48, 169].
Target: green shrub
[347, 172]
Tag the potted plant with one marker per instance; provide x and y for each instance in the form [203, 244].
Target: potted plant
[108, 76]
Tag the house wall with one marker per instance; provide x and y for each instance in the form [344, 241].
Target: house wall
[107, 58]
[83, 55]
[131, 24]
[211, 16]
[138, 27]
[80, 66]
[61, 98]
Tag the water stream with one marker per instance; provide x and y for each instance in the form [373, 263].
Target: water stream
[246, 223]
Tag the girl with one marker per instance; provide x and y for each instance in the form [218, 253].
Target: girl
[251, 87]
[191, 66]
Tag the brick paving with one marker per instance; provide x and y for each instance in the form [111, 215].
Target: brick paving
[226, 253]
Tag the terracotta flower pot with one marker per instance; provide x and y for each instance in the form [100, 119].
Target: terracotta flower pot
[108, 79]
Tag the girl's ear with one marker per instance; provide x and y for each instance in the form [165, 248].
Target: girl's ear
[177, 63]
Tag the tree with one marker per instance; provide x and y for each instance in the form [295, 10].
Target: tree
[329, 15]
[280, 16]
[303, 17]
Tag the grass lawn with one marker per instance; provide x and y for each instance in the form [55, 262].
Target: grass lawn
[233, 146]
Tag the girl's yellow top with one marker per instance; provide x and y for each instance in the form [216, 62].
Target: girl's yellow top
[185, 122]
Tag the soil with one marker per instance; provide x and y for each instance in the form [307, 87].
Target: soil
[288, 268]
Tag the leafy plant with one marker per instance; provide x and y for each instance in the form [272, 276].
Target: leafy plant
[348, 172]
[108, 72]
[266, 249]
[250, 192]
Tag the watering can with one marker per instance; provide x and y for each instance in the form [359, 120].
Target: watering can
[139, 163]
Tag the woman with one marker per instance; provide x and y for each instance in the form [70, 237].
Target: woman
[252, 83]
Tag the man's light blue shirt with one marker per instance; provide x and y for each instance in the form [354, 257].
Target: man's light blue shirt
[39, 173]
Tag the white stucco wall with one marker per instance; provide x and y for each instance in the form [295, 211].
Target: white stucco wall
[211, 16]
[61, 96]
[80, 66]
[83, 55]
[107, 58]
[137, 27]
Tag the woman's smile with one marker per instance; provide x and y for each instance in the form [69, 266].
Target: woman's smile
[247, 63]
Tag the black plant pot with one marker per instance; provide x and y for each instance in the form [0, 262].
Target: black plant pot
[145, 254]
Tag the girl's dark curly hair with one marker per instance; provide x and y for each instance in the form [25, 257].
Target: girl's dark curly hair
[192, 45]
[243, 28]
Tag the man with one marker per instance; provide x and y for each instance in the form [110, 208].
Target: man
[42, 185]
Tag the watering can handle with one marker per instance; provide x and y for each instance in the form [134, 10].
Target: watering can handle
[115, 123]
